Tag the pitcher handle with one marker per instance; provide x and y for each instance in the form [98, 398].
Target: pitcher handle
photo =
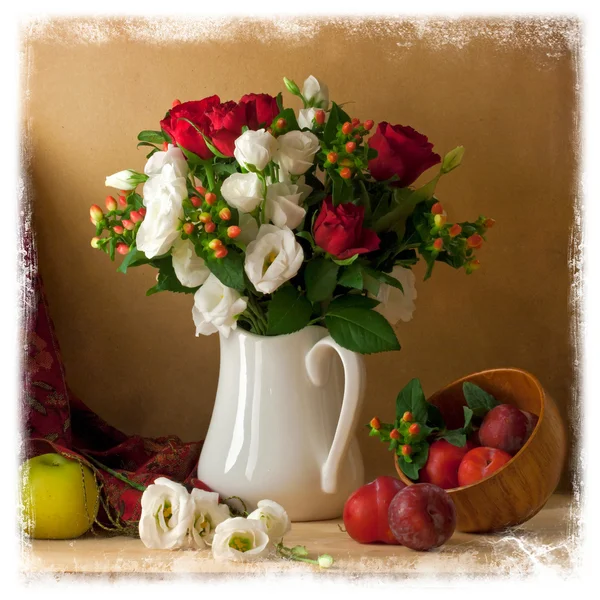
[354, 382]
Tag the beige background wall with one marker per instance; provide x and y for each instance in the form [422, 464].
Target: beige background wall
[504, 91]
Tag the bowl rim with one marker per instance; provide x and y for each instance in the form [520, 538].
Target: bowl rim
[542, 394]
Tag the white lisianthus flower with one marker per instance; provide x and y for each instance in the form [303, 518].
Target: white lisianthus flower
[283, 205]
[315, 92]
[125, 180]
[255, 148]
[307, 115]
[167, 512]
[272, 258]
[190, 269]
[249, 227]
[296, 151]
[244, 191]
[241, 539]
[207, 515]
[274, 517]
[303, 188]
[173, 156]
[216, 307]
[163, 197]
[398, 305]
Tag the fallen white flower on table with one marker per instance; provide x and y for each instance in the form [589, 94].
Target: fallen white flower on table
[207, 515]
[274, 517]
[241, 539]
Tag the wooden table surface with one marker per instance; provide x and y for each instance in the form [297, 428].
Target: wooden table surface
[548, 541]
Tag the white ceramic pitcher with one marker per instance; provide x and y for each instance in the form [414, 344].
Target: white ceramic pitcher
[283, 425]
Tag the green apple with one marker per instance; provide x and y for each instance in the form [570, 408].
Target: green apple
[59, 497]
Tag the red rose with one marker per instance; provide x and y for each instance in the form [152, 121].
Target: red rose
[182, 132]
[261, 109]
[223, 125]
[401, 151]
[339, 230]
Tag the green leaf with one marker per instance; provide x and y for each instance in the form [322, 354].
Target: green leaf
[365, 199]
[456, 437]
[146, 144]
[468, 417]
[135, 258]
[136, 200]
[167, 280]
[352, 277]
[412, 399]
[385, 278]
[212, 148]
[345, 261]
[434, 416]
[156, 137]
[320, 277]
[353, 301]
[360, 329]
[417, 461]
[279, 100]
[193, 159]
[288, 311]
[229, 270]
[371, 284]
[111, 247]
[478, 400]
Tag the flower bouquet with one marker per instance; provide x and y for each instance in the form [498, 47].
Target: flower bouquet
[276, 220]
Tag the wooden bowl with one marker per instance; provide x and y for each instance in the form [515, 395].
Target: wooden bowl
[518, 490]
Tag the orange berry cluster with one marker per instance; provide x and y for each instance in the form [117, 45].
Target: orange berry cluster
[345, 154]
[406, 430]
[121, 221]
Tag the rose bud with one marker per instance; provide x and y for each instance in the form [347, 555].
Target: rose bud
[437, 209]
[221, 252]
[475, 241]
[188, 228]
[347, 128]
[122, 248]
[406, 450]
[122, 201]
[414, 429]
[96, 214]
[281, 124]
[175, 103]
[369, 124]
[111, 203]
[407, 417]
[135, 216]
[205, 217]
[215, 244]
[118, 229]
[489, 223]
[394, 434]
[129, 225]
[332, 157]
[438, 244]
[233, 231]
[196, 202]
[210, 198]
[350, 147]
[225, 214]
[455, 230]
[210, 227]
[345, 173]
[320, 117]
[440, 220]
[95, 242]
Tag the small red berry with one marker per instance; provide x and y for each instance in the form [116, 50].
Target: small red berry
[406, 450]
[142, 211]
[350, 147]
[440, 220]
[473, 265]
[111, 203]
[475, 241]
[369, 124]
[233, 231]
[438, 244]
[196, 202]
[355, 122]
[118, 229]
[210, 227]
[135, 216]
[437, 209]
[414, 429]
[455, 230]
[281, 124]
[96, 214]
[347, 128]
[175, 103]
[395, 434]
[210, 198]
[221, 252]
[122, 201]
[407, 417]
[225, 214]
[188, 228]
[122, 248]
[320, 117]
[201, 190]
[95, 243]
[205, 217]
[165, 146]
[489, 223]
[129, 225]
[215, 244]
[345, 173]
[332, 157]
[375, 423]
